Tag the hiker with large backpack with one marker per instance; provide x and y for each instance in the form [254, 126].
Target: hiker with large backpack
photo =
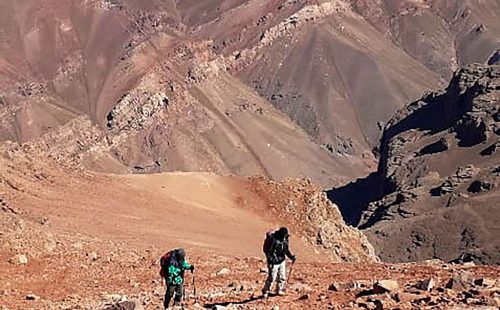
[173, 264]
[276, 248]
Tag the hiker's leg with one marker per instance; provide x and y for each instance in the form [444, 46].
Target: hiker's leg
[169, 293]
[179, 291]
[281, 276]
[272, 272]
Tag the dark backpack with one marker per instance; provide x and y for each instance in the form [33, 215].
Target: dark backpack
[164, 264]
[268, 242]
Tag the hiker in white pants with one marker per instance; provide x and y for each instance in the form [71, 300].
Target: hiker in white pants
[276, 250]
[276, 273]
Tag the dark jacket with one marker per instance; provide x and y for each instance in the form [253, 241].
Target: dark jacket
[278, 250]
[176, 266]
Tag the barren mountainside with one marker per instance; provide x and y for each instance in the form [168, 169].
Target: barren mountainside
[148, 86]
[435, 194]
[132, 127]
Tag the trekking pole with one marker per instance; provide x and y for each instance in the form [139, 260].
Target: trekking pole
[290, 273]
[194, 289]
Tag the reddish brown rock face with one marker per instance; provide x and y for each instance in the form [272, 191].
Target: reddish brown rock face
[438, 177]
[327, 73]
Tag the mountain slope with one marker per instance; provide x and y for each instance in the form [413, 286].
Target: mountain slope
[223, 214]
[439, 175]
[84, 66]
[443, 35]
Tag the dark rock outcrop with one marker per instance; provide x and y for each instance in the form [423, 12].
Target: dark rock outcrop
[439, 189]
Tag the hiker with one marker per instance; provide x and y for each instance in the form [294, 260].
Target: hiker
[173, 264]
[276, 248]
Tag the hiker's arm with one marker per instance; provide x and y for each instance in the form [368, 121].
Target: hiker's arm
[288, 253]
[186, 265]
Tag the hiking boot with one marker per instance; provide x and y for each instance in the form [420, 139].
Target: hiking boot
[265, 294]
[281, 293]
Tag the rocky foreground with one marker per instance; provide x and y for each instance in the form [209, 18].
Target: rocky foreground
[90, 274]
[71, 271]
[71, 239]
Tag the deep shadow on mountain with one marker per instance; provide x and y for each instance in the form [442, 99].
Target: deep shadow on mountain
[432, 114]
[353, 198]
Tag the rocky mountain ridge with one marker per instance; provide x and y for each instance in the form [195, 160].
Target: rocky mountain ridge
[438, 175]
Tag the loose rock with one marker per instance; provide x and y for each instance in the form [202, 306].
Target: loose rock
[407, 297]
[19, 259]
[485, 282]
[123, 305]
[461, 281]
[32, 297]
[223, 271]
[383, 286]
[426, 285]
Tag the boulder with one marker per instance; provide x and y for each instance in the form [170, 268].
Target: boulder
[461, 281]
[474, 301]
[407, 297]
[364, 305]
[471, 129]
[223, 272]
[493, 301]
[479, 186]
[32, 297]
[379, 305]
[383, 286]
[300, 287]
[335, 287]
[92, 256]
[345, 286]
[123, 305]
[485, 282]
[425, 285]
[439, 146]
[450, 293]
[19, 259]
[114, 297]
[490, 150]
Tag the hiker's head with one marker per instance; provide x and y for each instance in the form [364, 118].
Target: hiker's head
[181, 254]
[282, 233]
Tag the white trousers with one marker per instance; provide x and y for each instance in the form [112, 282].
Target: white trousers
[276, 273]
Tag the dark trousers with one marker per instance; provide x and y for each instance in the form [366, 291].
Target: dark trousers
[176, 290]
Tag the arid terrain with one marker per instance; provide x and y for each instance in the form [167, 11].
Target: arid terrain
[230, 87]
[78, 240]
[435, 194]
[130, 127]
